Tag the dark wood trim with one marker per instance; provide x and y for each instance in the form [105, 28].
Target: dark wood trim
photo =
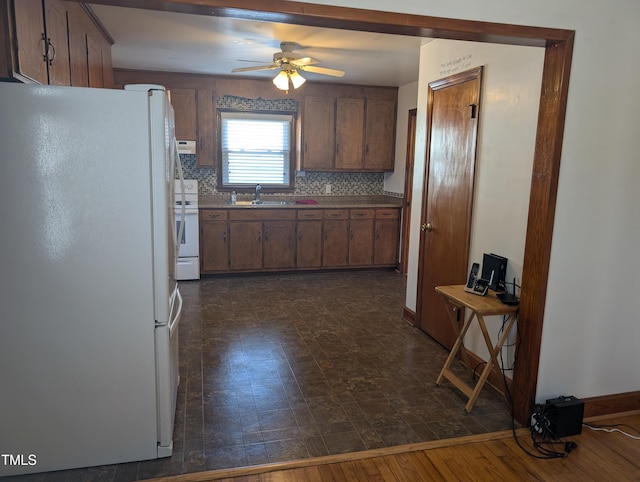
[542, 203]
[96, 21]
[558, 44]
[409, 316]
[609, 404]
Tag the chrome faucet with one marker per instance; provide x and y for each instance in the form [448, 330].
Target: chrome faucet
[258, 189]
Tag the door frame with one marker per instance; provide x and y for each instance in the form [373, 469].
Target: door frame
[412, 119]
[558, 45]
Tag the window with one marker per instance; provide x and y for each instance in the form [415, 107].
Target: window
[255, 148]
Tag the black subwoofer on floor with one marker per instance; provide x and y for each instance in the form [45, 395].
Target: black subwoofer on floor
[564, 416]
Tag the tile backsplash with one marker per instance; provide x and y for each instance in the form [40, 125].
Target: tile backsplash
[311, 184]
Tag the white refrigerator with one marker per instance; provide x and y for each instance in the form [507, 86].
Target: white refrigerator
[89, 304]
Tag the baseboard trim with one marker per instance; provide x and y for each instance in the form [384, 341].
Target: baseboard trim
[409, 316]
[609, 404]
[602, 406]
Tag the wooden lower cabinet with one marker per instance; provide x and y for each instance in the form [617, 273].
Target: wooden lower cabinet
[361, 237]
[214, 236]
[279, 246]
[309, 239]
[285, 239]
[335, 249]
[245, 245]
[386, 242]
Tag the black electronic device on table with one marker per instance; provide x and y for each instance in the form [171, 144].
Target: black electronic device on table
[509, 298]
[475, 285]
[494, 268]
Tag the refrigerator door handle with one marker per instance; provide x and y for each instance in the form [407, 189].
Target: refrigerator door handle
[175, 320]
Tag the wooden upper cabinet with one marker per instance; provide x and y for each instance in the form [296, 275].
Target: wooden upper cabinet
[207, 132]
[318, 133]
[57, 42]
[54, 42]
[349, 133]
[29, 61]
[184, 106]
[380, 128]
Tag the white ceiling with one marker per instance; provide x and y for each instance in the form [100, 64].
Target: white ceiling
[176, 42]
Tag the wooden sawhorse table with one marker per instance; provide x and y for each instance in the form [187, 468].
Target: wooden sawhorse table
[455, 298]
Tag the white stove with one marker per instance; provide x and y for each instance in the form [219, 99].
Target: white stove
[188, 264]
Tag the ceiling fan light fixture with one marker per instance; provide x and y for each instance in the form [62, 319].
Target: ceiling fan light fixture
[281, 81]
[296, 79]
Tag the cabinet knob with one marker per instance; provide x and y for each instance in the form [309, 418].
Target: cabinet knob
[426, 227]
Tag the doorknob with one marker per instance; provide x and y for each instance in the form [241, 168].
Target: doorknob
[426, 227]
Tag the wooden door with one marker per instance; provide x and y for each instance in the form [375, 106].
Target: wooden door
[245, 245]
[380, 141]
[279, 246]
[447, 204]
[318, 133]
[349, 133]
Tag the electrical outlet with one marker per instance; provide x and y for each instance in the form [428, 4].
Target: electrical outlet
[327, 188]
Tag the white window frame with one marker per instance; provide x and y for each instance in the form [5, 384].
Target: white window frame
[233, 150]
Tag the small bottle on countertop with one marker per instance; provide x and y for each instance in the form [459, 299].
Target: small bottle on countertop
[234, 197]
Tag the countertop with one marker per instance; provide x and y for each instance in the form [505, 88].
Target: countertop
[219, 201]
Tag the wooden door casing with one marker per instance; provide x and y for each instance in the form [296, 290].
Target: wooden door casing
[453, 112]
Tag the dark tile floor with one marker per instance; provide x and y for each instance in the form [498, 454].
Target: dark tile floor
[289, 366]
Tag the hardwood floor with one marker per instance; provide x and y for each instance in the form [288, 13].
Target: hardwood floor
[599, 455]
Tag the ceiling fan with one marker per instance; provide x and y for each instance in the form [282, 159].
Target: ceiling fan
[289, 63]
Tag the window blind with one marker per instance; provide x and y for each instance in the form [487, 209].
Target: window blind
[256, 148]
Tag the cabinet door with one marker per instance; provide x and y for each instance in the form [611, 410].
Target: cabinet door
[279, 244]
[380, 127]
[318, 133]
[361, 242]
[309, 246]
[29, 24]
[335, 250]
[387, 238]
[184, 106]
[94, 61]
[58, 43]
[349, 133]
[214, 249]
[206, 129]
[245, 245]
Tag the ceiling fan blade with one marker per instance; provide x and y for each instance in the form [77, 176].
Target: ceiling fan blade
[257, 67]
[304, 61]
[322, 70]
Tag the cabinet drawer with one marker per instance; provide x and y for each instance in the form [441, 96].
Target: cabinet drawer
[310, 214]
[387, 213]
[260, 214]
[213, 215]
[362, 213]
[336, 214]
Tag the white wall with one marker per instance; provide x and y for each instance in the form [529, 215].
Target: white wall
[506, 141]
[591, 330]
[407, 100]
